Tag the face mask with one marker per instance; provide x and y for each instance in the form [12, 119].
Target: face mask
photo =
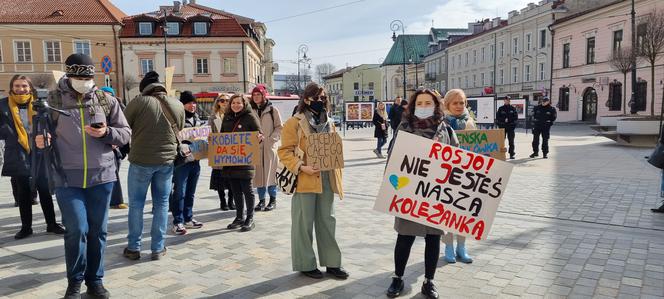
[317, 106]
[423, 113]
[82, 86]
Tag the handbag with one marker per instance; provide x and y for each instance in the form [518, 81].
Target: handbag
[286, 179]
[183, 155]
[657, 157]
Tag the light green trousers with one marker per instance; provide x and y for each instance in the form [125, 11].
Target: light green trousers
[309, 209]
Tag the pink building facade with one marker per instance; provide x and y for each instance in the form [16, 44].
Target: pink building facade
[584, 84]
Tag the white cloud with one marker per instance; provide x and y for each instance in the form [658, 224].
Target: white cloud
[458, 13]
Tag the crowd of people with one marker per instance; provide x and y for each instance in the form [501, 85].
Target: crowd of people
[81, 154]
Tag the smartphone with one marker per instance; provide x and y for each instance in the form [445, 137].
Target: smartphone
[97, 125]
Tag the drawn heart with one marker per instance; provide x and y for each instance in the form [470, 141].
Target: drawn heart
[399, 182]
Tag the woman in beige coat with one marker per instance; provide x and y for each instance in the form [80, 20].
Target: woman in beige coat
[266, 169]
[459, 118]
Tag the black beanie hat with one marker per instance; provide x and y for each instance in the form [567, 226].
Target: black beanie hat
[187, 97]
[149, 78]
[79, 65]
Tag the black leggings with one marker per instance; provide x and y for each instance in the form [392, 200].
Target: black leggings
[243, 189]
[431, 252]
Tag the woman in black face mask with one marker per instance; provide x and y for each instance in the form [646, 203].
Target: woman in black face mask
[313, 199]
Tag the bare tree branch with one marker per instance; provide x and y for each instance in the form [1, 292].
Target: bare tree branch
[323, 70]
[42, 80]
[651, 44]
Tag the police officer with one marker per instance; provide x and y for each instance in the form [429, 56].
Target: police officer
[543, 117]
[506, 118]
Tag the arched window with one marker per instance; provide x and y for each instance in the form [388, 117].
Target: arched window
[563, 98]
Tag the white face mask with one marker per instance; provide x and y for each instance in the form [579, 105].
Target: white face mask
[423, 113]
[82, 86]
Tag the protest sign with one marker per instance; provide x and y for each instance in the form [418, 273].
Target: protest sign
[485, 142]
[197, 140]
[233, 149]
[325, 151]
[442, 186]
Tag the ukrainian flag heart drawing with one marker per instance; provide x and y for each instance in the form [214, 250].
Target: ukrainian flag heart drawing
[399, 182]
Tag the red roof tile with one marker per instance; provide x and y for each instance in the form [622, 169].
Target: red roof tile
[59, 12]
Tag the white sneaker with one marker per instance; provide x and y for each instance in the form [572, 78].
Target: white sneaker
[193, 224]
[179, 229]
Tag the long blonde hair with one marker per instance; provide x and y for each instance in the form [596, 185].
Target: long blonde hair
[382, 112]
[217, 110]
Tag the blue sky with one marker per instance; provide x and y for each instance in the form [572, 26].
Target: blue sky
[349, 35]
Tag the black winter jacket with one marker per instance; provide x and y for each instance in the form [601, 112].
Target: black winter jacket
[506, 117]
[246, 122]
[17, 159]
[395, 116]
[378, 122]
[544, 115]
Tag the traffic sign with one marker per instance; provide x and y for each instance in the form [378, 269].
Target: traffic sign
[106, 64]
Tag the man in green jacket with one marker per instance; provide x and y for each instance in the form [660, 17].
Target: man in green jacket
[153, 150]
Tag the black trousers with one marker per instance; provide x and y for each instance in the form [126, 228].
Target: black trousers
[544, 131]
[116, 195]
[509, 134]
[243, 192]
[15, 192]
[25, 200]
[431, 253]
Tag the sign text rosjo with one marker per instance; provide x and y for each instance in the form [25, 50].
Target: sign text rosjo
[442, 186]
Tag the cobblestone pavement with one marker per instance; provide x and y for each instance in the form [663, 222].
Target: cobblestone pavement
[575, 225]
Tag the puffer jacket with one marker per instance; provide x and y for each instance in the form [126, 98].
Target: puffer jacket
[246, 121]
[17, 159]
[87, 161]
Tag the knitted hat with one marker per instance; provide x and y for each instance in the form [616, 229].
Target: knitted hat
[148, 78]
[109, 90]
[260, 88]
[187, 97]
[79, 65]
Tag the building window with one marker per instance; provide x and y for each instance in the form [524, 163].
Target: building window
[492, 52]
[229, 65]
[52, 51]
[371, 86]
[502, 49]
[528, 41]
[482, 54]
[1, 53]
[563, 98]
[474, 56]
[466, 85]
[526, 75]
[145, 28]
[515, 46]
[515, 75]
[23, 51]
[371, 98]
[356, 86]
[201, 66]
[502, 77]
[474, 80]
[641, 95]
[566, 56]
[466, 58]
[147, 65]
[452, 85]
[172, 28]
[542, 38]
[490, 77]
[459, 60]
[590, 50]
[356, 98]
[541, 71]
[200, 28]
[483, 79]
[640, 34]
[82, 47]
[615, 96]
[453, 62]
[617, 40]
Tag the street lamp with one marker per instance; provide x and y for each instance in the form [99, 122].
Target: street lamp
[301, 50]
[395, 26]
[412, 54]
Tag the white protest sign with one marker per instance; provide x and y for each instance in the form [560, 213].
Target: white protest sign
[442, 186]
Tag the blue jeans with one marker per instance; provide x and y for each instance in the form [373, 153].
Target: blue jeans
[381, 142]
[138, 181]
[186, 178]
[661, 186]
[85, 216]
[271, 190]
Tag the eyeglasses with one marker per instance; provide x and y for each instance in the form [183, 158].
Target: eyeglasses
[221, 100]
[322, 98]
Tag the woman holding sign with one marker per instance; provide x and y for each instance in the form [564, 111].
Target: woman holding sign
[423, 117]
[380, 128]
[457, 115]
[240, 118]
[216, 181]
[313, 200]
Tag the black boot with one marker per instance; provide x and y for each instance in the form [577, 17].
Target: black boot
[429, 290]
[231, 204]
[73, 290]
[658, 210]
[98, 291]
[222, 205]
[395, 288]
[24, 232]
[260, 206]
[271, 205]
[248, 224]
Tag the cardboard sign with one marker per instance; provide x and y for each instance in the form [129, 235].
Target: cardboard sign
[486, 142]
[442, 186]
[325, 151]
[233, 149]
[169, 80]
[198, 140]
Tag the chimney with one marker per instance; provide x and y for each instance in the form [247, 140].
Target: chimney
[532, 5]
[176, 6]
[496, 22]
[192, 1]
[512, 14]
[184, 2]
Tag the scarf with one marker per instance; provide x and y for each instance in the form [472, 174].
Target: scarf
[425, 123]
[14, 101]
[458, 122]
[319, 123]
